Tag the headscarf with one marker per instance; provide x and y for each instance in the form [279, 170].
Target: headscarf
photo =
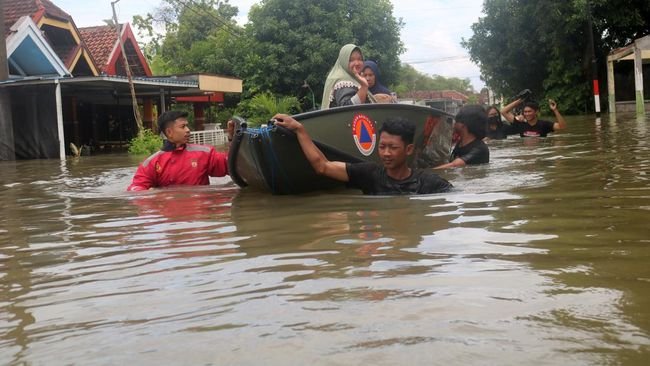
[378, 88]
[339, 73]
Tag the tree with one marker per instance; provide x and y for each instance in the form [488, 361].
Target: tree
[198, 36]
[506, 47]
[295, 40]
[285, 42]
[409, 80]
[542, 45]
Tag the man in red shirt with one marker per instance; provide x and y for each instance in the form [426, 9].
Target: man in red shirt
[179, 163]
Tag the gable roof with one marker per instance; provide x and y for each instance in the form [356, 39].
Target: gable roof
[59, 30]
[29, 54]
[101, 42]
[14, 9]
[105, 49]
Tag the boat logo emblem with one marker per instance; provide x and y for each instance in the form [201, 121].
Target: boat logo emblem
[363, 132]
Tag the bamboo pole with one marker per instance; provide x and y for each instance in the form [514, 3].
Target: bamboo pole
[136, 110]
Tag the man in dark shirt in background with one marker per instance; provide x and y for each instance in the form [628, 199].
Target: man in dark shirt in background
[471, 127]
[393, 177]
[532, 126]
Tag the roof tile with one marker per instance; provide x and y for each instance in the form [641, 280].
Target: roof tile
[14, 9]
[100, 41]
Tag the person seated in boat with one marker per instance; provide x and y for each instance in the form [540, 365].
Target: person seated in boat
[393, 177]
[178, 162]
[532, 125]
[496, 127]
[345, 85]
[470, 126]
[381, 93]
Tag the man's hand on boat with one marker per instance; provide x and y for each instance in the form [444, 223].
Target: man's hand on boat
[286, 121]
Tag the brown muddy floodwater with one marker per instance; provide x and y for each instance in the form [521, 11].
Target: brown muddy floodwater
[541, 257]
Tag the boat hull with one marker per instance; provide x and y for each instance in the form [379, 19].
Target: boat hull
[270, 158]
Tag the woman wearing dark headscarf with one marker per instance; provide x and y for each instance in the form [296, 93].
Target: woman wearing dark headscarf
[371, 72]
[344, 84]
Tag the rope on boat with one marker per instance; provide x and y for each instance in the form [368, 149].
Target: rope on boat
[276, 167]
[273, 162]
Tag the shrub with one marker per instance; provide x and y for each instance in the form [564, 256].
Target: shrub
[145, 143]
[262, 107]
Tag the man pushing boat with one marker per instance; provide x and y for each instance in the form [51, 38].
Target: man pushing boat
[393, 177]
[178, 162]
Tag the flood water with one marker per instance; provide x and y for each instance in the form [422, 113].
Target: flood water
[541, 257]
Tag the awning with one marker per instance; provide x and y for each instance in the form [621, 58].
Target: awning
[627, 52]
[181, 85]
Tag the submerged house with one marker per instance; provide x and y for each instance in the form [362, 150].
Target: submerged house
[68, 84]
[449, 101]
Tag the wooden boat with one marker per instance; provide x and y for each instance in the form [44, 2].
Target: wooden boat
[269, 158]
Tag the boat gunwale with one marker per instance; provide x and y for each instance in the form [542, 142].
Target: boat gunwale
[371, 106]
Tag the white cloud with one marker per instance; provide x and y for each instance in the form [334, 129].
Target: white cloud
[432, 34]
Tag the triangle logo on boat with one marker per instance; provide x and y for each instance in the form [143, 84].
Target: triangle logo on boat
[365, 135]
[363, 132]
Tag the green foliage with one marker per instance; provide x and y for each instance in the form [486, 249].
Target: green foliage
[409, 80]
[199, 36]
[262, 107]
[544, 45]
[145, 143]
[295, 40]
[285, 42]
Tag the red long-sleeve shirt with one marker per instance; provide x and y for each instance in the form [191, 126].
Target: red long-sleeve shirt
[186, 165]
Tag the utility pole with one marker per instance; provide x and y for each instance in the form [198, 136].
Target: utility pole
[136, 110]
[7, 145]
[594, 64]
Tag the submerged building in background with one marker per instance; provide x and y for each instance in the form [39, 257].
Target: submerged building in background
[68, 84]
[449, 101]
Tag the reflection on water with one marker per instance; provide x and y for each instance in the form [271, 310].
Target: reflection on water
[540, 257]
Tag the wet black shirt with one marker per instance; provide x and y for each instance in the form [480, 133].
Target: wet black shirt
[371, 178]
[476, 152]
[540, 129]
[497, 134]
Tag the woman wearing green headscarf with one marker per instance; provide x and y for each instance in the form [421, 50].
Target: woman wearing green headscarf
[345, 85]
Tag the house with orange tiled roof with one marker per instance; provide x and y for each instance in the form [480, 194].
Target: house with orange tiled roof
[57, 28]
[106, 51]
[67, 85]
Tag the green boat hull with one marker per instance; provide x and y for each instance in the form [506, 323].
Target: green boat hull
[270, 158]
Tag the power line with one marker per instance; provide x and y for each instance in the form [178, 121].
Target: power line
[220, 22]
[225, 23]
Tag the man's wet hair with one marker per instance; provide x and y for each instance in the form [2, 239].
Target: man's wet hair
[532, 104]
[475, 118]
[167, 119]
[399, 126]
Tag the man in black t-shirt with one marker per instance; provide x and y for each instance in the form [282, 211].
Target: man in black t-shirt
[393, 177]
[532, 126]
[471, 127]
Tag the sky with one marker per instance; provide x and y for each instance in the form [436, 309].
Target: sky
[432, 32]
